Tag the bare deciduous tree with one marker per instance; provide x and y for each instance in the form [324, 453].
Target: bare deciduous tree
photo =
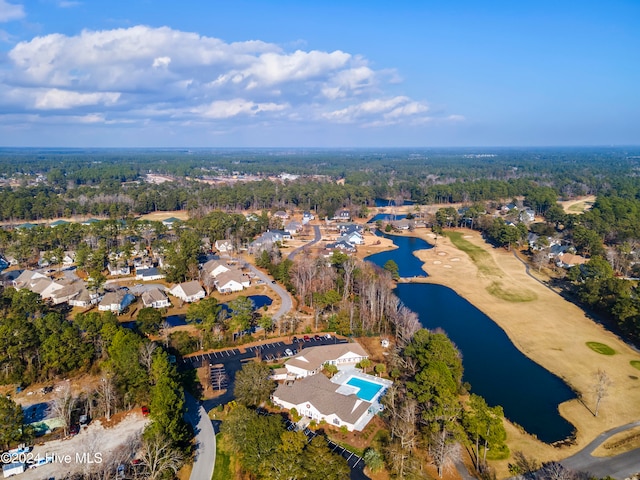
[159, 456]
[600, 388]
[146, 354]
[107, 395]
[62, 406]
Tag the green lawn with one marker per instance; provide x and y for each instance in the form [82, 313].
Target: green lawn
[514, 296]
[635, 364]
[222, 468]
[601, 348]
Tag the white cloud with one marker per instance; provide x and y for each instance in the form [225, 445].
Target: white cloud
[10, 11]
[56, 99]
[143, 74]
[237, 106]
[379, 111]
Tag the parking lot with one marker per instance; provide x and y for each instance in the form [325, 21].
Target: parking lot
[268, 352]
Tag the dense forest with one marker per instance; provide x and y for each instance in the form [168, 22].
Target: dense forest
[47, 184]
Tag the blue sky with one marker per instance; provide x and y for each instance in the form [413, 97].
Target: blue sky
[319, 73]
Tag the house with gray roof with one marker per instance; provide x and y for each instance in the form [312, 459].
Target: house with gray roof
[155, 298]
[188, 291]
[115, 301]
[311, 360]
[232, 281]
[318, 398]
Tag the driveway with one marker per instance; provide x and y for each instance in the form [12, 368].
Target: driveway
[286, 303]
[316, 239]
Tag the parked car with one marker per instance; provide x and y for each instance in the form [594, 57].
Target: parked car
[316, 337]
[145, 410]
[328, 336]
[306, 338]
[74, 430]
[294, 339]
[288, 352]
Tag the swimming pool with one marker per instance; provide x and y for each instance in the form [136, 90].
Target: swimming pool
[367, 390]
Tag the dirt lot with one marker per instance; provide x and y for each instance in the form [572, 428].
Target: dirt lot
[92, 447]
[579, 205]
[548, 329]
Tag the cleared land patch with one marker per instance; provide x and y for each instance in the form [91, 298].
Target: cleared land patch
[601, 348]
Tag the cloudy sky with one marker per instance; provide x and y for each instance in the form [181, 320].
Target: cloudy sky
[331, 73]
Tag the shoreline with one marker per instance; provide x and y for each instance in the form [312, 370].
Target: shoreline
[549, 330]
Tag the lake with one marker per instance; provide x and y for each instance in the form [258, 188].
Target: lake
[494, 367]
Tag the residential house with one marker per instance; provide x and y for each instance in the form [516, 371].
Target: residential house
[44, 287]
[224, 246]
[293, 227]
[311, 360]
[215, 267]
[402, 224]
[69, 258]
[115, 301]
[26, 278]
[149, 274]
[142, 263]
[232, 281]
[354, 238]
[342, 216]
[281, 214]
[188, 291]
[155, 298]
[85, 299]
[341, 245]
[307, 217]
[67, 292]
[265, 240]
[170, 222]
[119, 269]
[569, 260]
[557, 250]
[527, 215]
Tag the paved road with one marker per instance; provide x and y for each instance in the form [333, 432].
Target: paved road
[286, 303]
[317, 238]
[205, 457]
[620, 466]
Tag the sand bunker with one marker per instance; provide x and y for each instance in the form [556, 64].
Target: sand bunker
[455, 259]
[447, 266]
[442, 254]
[437, 262]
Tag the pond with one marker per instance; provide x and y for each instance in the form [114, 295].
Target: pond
[408, 263]
[386, 217]
[496, 370]
[388, 202]
[259, 301]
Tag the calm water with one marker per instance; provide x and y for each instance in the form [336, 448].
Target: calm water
[408, 264]
[386, 217]
[385, 202]
[259, 301]
[498, 371]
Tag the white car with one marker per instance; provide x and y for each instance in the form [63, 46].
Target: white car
[288, 352]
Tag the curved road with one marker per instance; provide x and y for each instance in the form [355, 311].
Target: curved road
[620, 466]
[286, 301]
[205, 457]
[316, 239]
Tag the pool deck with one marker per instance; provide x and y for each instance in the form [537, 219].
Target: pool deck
[345, 373]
